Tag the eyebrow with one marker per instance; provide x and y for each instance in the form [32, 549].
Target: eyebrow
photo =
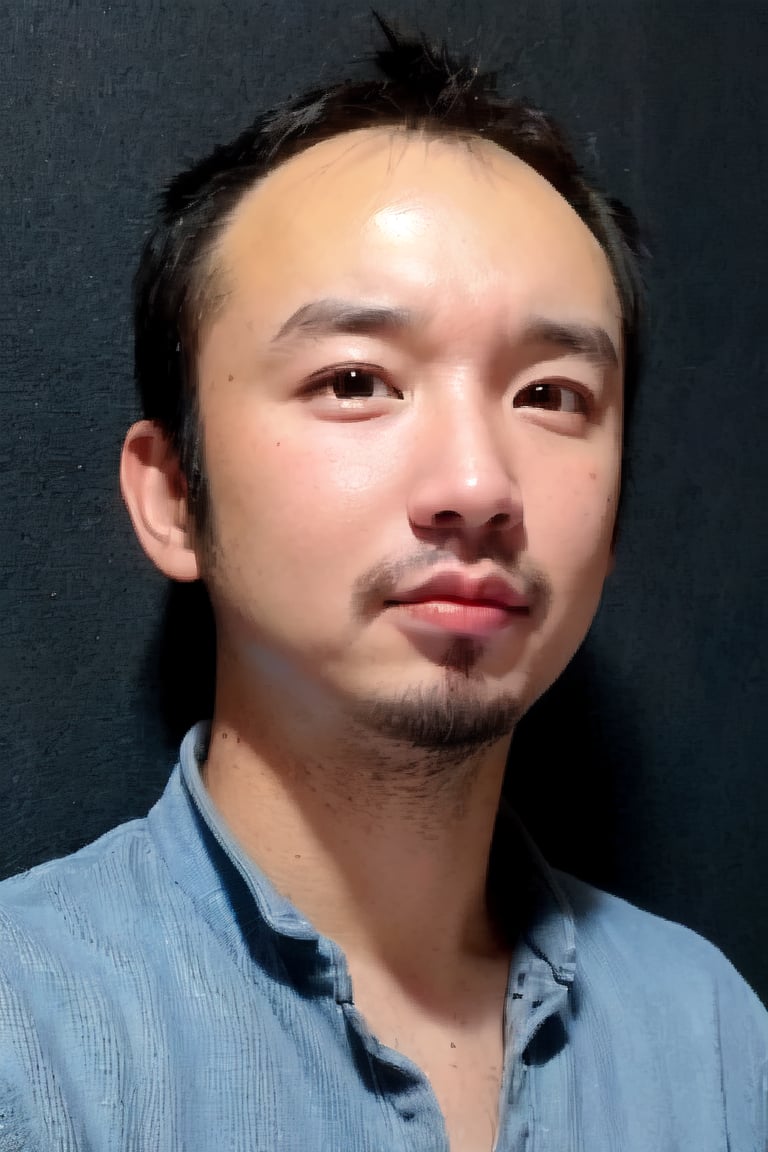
[321, 317]
[587, 340]
[329, 315]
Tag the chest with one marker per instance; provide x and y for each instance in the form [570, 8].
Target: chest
[467, 1086]
[460, 1053]
[193, 1054]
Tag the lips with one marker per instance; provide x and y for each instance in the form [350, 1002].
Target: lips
[451, 602]
[457, 588]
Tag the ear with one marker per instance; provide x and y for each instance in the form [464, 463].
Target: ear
[155, 493]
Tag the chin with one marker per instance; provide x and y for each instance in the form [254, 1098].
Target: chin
[457, 712]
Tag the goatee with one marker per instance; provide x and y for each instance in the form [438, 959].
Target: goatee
[452, 716]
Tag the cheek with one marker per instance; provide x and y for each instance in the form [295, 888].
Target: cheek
[570, 519]
[303, 493]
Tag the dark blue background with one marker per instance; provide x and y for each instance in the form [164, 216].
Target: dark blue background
[645, 769]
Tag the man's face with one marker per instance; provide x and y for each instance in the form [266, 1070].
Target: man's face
[411, 407]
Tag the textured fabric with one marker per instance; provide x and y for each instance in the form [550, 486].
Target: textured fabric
[157, 993]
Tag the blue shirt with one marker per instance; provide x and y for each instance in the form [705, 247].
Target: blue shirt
[158, 994]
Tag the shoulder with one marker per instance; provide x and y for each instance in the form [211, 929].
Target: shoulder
[671, 992]
[62, 906]
[74, 936]
[69, 930]
[626, 938]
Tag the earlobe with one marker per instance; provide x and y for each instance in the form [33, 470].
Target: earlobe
[155, 493]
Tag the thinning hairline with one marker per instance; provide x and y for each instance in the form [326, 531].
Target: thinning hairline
[210, 289]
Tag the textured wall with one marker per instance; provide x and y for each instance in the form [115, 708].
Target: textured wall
[645, 769]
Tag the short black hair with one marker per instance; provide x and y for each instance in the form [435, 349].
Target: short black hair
[420, 87]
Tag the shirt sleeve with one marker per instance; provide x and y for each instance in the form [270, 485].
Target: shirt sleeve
[744, 1061]
[30, 1109]
[19, 1129]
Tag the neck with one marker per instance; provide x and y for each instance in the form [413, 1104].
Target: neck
[384, 848]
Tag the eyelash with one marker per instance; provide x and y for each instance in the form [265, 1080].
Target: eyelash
[583, 400]
[323, 383]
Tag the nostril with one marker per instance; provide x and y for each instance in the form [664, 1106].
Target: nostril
[498, 520]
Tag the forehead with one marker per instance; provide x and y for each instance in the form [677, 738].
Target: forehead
[390, 213]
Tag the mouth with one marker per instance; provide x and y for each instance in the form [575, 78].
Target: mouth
[475, 618]
[451, 603]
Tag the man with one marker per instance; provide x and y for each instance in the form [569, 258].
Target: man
[383, 343]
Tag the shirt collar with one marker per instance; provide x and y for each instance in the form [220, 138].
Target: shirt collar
[206, 860]
[277, 912]
[520, 879]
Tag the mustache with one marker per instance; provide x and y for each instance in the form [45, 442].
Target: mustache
[378, 584]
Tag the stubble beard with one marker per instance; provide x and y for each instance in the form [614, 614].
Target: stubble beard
[454, 717]
[452, 720]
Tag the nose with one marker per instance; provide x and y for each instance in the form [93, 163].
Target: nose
[465, 480]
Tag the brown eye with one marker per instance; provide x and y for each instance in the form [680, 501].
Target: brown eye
[350, 392]
[552, 396]
[356, 384]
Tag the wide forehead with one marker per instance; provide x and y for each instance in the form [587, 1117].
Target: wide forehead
[379, 211]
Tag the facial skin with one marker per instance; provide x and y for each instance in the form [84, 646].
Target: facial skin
[411, 403]
[448, 278]
[359, 741]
